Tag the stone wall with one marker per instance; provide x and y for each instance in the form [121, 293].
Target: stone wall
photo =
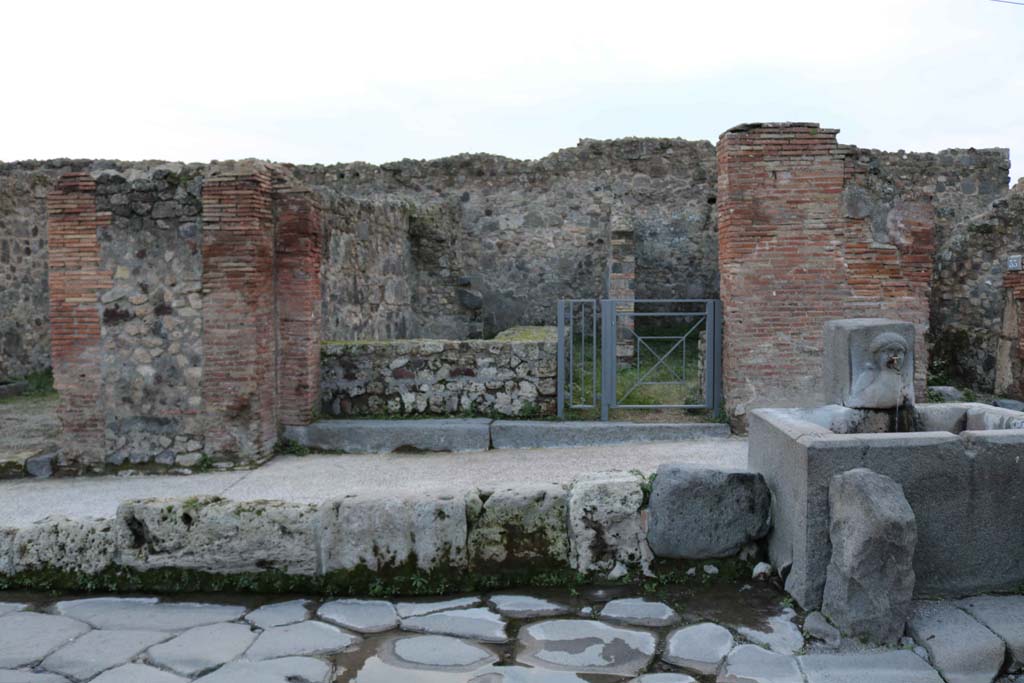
[440, 377]
[186, 312]
[526, 233]
[798, 248]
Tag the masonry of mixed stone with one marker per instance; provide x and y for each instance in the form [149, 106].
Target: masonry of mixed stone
[183, 306]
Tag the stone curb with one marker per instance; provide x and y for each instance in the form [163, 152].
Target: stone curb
[597, 526]
[542, 434]
[480, 434]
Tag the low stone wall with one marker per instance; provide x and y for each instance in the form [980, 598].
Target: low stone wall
[512, 375]
[597, 526]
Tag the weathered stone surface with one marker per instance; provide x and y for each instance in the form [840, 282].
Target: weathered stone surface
[387, 436]
[542, 434]
[521, 527]
[147, 613]
[817, 626]
[477, 623]
[279, 614]
[7, 550]
[605, 528]
[697, 513]
[440, 377]
[392, 532]
[899, 666]
[442, 652]
[586, 647]
[74, 545]
[41, 466]
[308, 638]
[700, 648]
[203, 648]
[940, 475]
[870, 579]
[8, 607]
[1004, 616]
[23, 676]
[639, 612]
[664, 678]
[216, 535]
[753, 664]
[283, 670]
[416, 609]
[961, 649]
[521, 674]
[779, 633]
[363, 616]
[97, 651]
[946, 393]
[27, 637]
[138, 673]
[527, 607]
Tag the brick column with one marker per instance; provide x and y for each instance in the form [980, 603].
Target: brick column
[791, 257]
[622, 284]
[1010, 353]
[239, 383]
[76, 282]
[299, 310]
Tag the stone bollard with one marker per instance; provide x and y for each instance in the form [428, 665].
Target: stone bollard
[870, 580]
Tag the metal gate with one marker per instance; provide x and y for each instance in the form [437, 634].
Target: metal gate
[639, 354]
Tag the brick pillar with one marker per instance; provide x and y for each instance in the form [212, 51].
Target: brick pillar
[622, 284]
[792, 256]
[76, 281]
[1010, 353]
[239, 383]
[299, 310]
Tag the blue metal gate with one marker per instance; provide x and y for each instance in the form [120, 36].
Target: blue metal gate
[639, 354]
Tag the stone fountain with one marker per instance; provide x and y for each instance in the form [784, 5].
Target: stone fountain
[961, 466]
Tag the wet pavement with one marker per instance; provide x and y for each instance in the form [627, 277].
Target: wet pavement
[726, 633]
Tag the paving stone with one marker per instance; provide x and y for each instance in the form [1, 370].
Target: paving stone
[416, 609]
[522, 674]
[284, 670]
[640, 612]
[753, 664]
[961, 649]
[586, 646]
[477, 623]
[1004, 616]
[896, 666]
[279, 614]
[527, 607]
[364, 616]
[147, 613]
[700, 648]
[309, 638]
[442, 652]
[97, 651]
[780, 634]
[30, 677]
[138, 673]
[664, 678]
[203, 648]
[8, 607]
[27, 637]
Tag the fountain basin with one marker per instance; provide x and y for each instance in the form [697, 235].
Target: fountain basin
[961, 467]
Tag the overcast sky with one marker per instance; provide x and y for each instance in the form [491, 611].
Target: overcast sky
[301, 81]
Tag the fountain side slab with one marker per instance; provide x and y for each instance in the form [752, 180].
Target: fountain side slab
[966, 490]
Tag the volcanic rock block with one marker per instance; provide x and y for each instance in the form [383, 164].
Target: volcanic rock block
[869, 584]
[699, 514]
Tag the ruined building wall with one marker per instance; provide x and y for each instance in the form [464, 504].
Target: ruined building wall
[795, 251]
[526, 233]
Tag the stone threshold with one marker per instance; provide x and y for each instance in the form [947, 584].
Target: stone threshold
[479, 434]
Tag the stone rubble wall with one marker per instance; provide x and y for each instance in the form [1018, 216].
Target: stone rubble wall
[596, 526]
[439, 377]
